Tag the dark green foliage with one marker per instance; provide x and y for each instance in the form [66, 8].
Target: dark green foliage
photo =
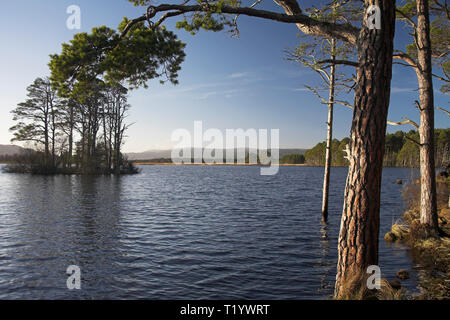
[408, 156]
[293, 159]
[30, 162]
[210, 19]
[140, 2]
[316, 155]
[400, 150]
[143, 54]
[394, 143]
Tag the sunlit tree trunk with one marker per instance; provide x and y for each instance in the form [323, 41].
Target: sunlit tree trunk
[358, 237]
[328, 155]
[428, 206]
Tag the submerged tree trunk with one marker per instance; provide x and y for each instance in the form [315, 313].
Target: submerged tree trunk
[116, 136]
[46, 142]
[53, 129]
[53, 147]
[328, 155]
[71, 127]
[105, 138]
[358, 237]
[428, 206]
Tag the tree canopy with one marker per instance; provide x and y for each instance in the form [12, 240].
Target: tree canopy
[139, 56]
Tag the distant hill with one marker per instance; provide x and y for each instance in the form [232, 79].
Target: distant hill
[10, 150]
[158, 154]
[149, 154]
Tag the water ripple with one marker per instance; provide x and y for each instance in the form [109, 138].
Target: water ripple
[177, 232]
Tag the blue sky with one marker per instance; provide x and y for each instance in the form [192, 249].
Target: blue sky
[226, 82]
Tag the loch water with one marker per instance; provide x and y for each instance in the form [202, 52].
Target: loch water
[183, 232]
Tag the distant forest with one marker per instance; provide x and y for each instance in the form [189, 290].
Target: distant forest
[401, 150]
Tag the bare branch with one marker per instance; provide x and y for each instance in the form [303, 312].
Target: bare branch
[418, 105]
[411, 22]
[406, 58]
[411, 63]
[442, 109]
[406, 121]
[343, 62]
[412, 140]
[325, 101]
[441, 78]
[344, 103]
[236, 33]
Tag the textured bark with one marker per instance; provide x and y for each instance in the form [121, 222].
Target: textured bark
[328, 155]
[428, 207]
[358, 238]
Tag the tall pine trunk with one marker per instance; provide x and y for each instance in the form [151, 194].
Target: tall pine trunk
[328, 155]
[358, 237]
[428, 206]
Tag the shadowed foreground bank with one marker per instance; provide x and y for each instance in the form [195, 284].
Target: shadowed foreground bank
[433, 254]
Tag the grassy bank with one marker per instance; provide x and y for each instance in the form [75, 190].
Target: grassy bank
[432, 254]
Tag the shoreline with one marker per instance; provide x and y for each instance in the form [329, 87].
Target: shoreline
[432, 253]
[143, 163]
[212, 164]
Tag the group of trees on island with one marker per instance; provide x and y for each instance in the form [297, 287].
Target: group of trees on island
[143, 49]
[76, 117]
[53, 124]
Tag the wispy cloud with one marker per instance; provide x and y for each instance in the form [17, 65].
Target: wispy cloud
[224, 93]
[231, 93]
[300, 89]
[238, 75]
[207, 95]
[183, 89]
[228, 86]
[400, 90]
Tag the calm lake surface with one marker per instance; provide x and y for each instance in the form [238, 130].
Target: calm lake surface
[182, 232]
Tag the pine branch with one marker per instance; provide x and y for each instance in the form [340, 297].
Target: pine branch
[342, 31]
